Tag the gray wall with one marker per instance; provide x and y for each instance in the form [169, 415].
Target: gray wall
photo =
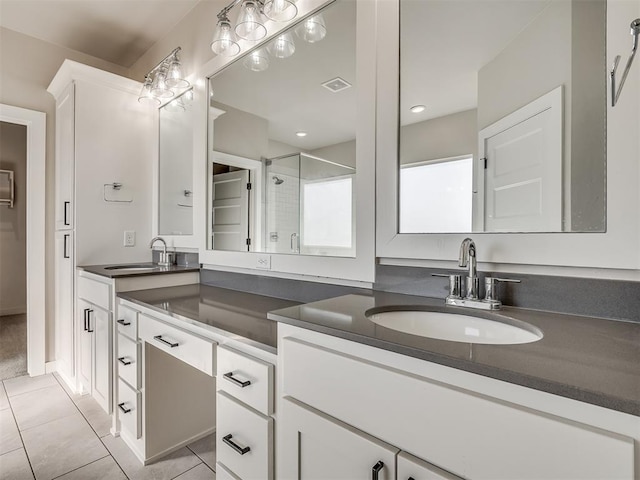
[240, 133]
[449, 136]
[13, 222]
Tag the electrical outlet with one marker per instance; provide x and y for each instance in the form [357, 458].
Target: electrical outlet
[263, 262]
[129, 238]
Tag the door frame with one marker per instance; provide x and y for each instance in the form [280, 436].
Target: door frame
[36, 292]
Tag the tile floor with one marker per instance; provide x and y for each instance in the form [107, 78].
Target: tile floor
[48, 432]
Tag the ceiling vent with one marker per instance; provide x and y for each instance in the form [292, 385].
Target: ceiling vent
[336, 85]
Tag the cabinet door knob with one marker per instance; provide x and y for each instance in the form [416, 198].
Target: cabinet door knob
[124, 361]
[376, 470]
[237, 448]
[229, 376]
[160, 339]
[123, 408]
[123, 322]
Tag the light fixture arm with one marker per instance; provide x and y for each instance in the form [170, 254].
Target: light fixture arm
[166, 60]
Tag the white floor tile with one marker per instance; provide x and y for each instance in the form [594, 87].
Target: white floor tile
[9, 436]
[166, 468]
[95, 415]
[104, 469]
[15, 466]
[20, 385]
[62, 445]
[41, 406]
[63, 384]
[205, 449]
[4, 400]
[199, 472]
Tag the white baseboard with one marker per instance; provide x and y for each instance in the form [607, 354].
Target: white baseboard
[13, 311]
[50, 367]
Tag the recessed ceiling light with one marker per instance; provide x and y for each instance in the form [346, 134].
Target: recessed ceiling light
[301, 134]
[417, 108]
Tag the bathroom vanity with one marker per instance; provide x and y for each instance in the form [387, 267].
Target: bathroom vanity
[319, 390]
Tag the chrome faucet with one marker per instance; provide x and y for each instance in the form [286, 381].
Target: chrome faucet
[471, 298]
[166, 258]
[468, 257]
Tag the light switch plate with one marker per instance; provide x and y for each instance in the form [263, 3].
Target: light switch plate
[129, 238]
[263, 262]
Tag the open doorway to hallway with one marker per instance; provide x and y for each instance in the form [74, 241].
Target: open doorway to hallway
[13, 250]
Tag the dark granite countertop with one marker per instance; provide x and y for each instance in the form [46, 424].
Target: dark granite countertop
[592, 360]
[234, 314]
[153, 269]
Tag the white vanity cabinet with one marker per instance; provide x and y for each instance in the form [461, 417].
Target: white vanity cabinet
[470, 426]
[245, 408]
[64, 321]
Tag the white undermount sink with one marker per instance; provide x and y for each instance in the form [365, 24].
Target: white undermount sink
[456, 327]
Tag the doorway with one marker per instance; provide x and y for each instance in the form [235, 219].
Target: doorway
[22, 233]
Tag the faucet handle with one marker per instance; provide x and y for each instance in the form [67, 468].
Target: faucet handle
[490, 287]
[455, 283]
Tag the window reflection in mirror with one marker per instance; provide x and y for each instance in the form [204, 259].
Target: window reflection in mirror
[175, 178]
[520, 89]
[285, 130]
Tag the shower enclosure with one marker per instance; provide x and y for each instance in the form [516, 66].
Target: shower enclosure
[308, 206]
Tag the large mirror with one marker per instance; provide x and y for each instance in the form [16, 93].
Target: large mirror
[502, 116]
[282, 150]
[175, 171]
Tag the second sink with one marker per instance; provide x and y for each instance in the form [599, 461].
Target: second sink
[453, 326]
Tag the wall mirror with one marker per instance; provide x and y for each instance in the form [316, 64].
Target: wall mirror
[282, 142]
[502, 116]
[175, 172]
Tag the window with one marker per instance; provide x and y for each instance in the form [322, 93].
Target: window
[327, 213]
[437, 196]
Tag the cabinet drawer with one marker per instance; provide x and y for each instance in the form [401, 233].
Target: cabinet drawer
[247, 378]
[410, 467]
[128, 366]
[197, 351]
[95, 292]
[239, 430]
[223, 473]
[128, 408]
[127, 320]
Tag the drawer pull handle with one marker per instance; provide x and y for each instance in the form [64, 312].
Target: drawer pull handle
[86, 312]
[123, 408]
[89, 312]
[241, 450]
[376, 470]
[235, 381]
[123, 361]
[122, 321]
[160, 339]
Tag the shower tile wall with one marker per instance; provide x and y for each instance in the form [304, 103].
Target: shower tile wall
[283, 213]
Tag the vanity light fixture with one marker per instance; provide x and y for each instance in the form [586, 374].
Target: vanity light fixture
[417, 109]
[250, 23]
[164, 80]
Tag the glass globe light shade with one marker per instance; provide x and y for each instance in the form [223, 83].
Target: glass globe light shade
[256, 61]
[250, 25]
[224, 40]
[280, 10]
[146, 96]
[175, 78]
[283, 46]
[312, 30]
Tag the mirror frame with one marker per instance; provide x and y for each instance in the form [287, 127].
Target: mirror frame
[355, 271]
[521, 252]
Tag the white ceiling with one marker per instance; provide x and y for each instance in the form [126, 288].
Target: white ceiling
[118, 31]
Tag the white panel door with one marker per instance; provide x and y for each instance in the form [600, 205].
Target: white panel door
[65, 158]
[413, 468]
[64, 297]
[85, 328]
[102, 367]
[523, 173]
[317, 446]
[230, 216]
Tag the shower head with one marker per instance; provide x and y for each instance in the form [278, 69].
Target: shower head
[277, 180]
